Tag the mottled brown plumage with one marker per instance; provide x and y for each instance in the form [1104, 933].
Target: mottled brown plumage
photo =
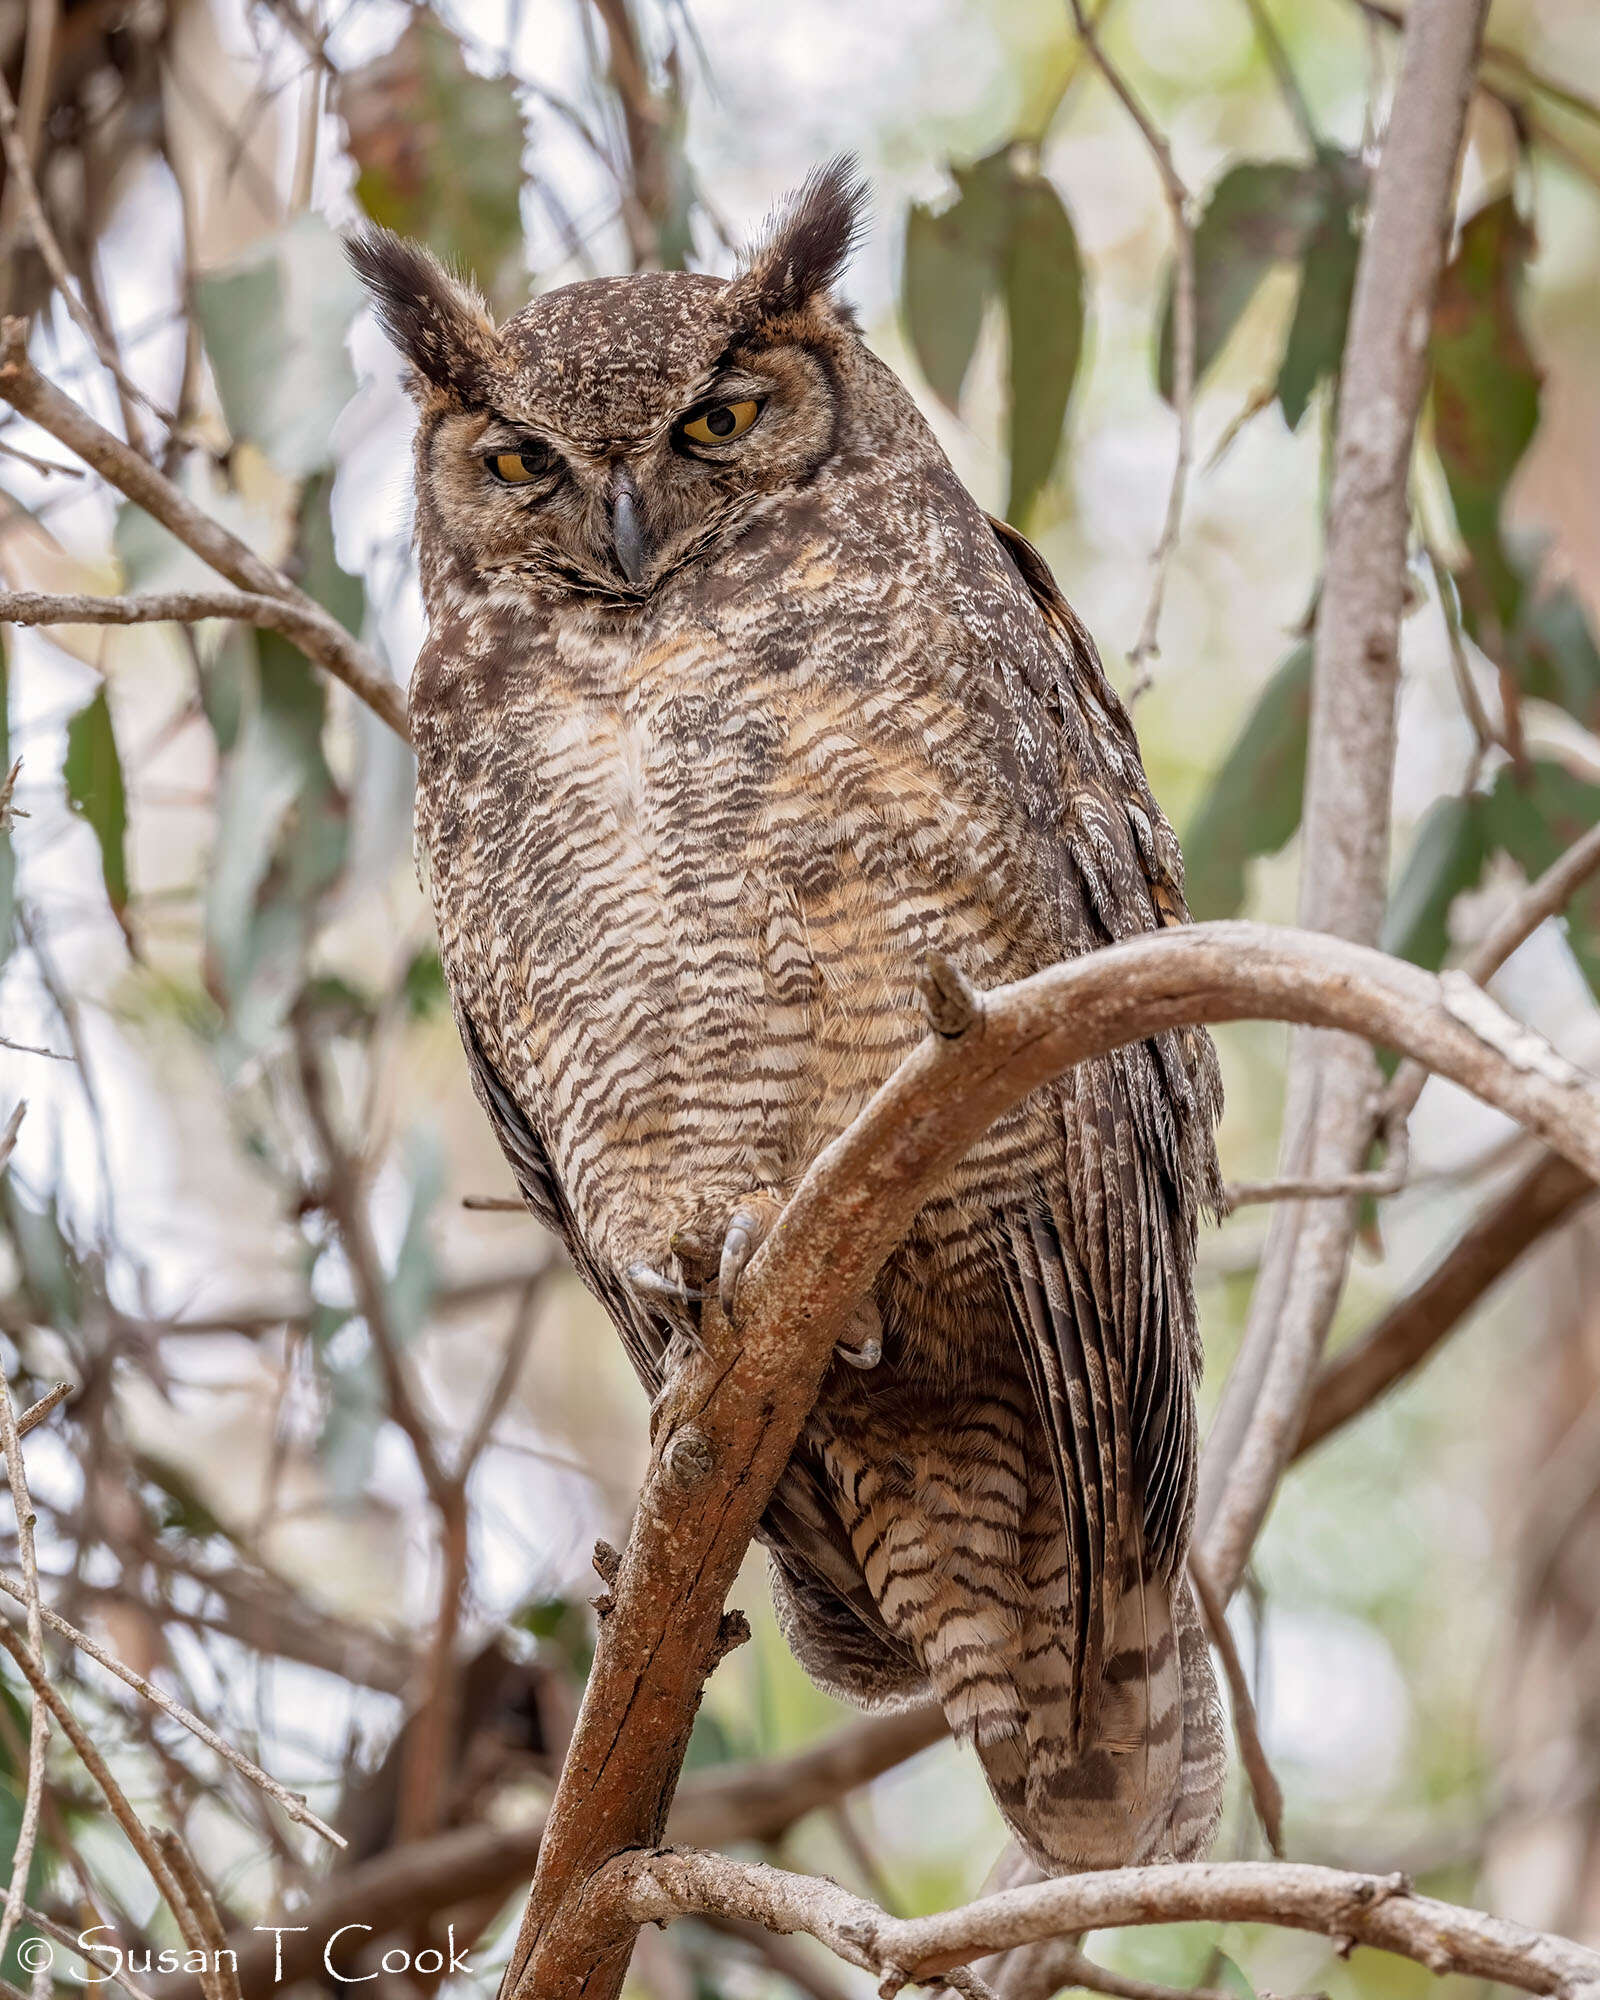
[718, 735]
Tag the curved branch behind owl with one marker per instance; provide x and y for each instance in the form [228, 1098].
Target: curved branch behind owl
[734, 705]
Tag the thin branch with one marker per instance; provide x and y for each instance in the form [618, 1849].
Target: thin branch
[13, 1125]
[1388, 1179]
[292, 1802]
[1145, 648]
[1545, 897]
[1283, 72]
[139, 1835]
[1328, 1121]
[44, 240]
[47, 1405]
[746, 1398]
[1265, 1790]
[39, 1720]
[341, 1193]
[320, 636]
[1402, 1339]
[1377, 1910]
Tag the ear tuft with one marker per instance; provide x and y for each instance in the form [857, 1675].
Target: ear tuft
[808, 241]
[439, 322]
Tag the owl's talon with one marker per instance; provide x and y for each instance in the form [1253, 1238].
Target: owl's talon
[739, 1245]
[866, 1350]
[657, 1285]
[867, 1355]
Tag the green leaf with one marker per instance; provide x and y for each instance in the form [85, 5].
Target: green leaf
[1044, 312]
[1007, 235]
[1447, 856]
[1259, 214]
[1534, 816]
[1485, 404]
[93, 777]
[274, 326]
[438, 153]
[422, 985]
[1253, 806]
[282, 830]
[955, 258]
[1314, 348]
[1230, 1979]
[1553, 652]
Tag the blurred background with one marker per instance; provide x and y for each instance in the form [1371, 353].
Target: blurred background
[252, 1135]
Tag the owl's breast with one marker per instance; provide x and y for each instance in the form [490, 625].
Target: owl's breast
[694, 894]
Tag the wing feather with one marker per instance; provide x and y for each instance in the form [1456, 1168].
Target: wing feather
[1099, 1264]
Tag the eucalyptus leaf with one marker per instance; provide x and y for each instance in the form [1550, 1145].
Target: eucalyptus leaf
[92, 774]
[438, 152]
[1253, 806]
[274, 327]
[1044, 313]
[1447, 856]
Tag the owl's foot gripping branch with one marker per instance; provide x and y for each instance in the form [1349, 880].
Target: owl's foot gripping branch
[743, 1399]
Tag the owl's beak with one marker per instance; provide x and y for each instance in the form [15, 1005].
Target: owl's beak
[628, 536]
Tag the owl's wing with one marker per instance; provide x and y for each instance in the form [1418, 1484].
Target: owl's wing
[644, 1333]
[1098, 1266]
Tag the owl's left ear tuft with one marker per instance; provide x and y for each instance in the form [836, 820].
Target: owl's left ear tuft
[808, 242]
[441, 324]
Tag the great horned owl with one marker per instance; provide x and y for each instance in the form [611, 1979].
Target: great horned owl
[734, 705]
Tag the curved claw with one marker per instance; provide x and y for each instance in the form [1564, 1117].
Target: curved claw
[739, 1245]
[867, 1355]
[656, 1285]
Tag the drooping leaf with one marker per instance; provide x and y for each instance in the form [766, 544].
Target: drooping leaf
[1258, 215]
[955, 258]
[1485, 404]
[274, 327]
[1044, 314]
[1534, 816]
[1553, 652]
[1006, 236]
[283, 820]
[1446, 857]
[1314, 349]
[1253, 806]
[1262, 214]
[92, 773]
[438, 152]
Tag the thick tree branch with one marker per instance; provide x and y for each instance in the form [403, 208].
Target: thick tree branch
[746, 1398]
[1376, 1910]
[321, 637]
[1328, 1120]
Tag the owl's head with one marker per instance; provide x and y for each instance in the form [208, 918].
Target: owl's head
[615, 430]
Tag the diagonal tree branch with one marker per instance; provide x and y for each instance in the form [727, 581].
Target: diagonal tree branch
[746, 1398]
[320, 636]
[1328, 1119]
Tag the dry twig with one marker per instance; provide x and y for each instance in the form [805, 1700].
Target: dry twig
[1145, 648]
[1377, 1910]
[321, 637]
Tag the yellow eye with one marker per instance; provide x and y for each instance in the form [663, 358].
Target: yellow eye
[512, 467]
[721, 422]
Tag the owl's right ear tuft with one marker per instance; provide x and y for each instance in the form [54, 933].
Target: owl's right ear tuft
[807, 243]
[440, 323]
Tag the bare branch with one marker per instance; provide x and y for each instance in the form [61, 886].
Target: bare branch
[747, 1398]
[292, 1802]
[1264, 1787]
[1545, 1195]
[1145, 648]
[1377, 1910]
[321, 637]
[1328, 1121]
[39, 1720]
